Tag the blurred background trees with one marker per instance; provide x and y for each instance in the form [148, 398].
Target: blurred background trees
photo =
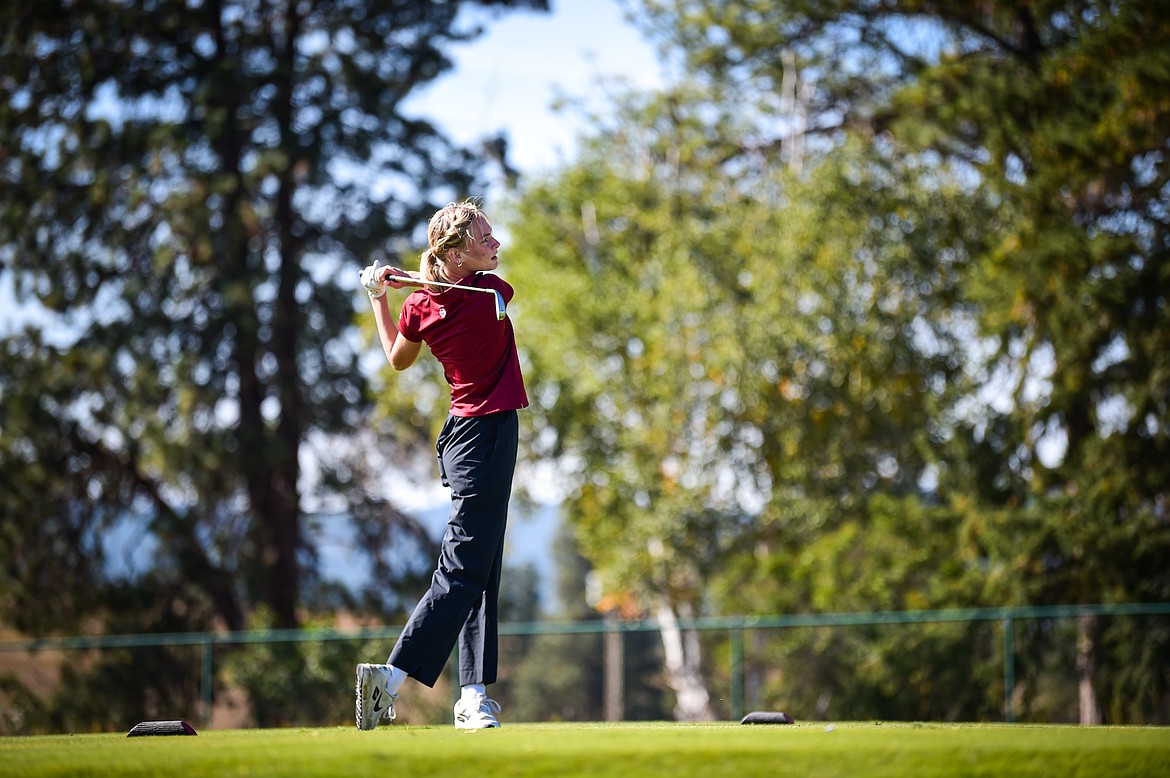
[871, 312]
[189, 191]
[867, 311]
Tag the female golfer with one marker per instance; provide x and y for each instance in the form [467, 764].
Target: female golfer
[477, 456]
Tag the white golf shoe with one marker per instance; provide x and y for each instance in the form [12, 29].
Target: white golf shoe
[373, 704]
[477, 712]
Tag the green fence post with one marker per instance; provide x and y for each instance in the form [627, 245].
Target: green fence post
[1009, 670]
[207, 680]
[736, 672]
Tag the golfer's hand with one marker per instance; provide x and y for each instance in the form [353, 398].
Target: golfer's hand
[372, 279]
[390, 271]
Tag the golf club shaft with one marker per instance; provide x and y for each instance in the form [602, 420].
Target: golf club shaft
[419, 282]
[408, 280]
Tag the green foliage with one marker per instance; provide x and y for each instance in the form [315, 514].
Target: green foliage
[717, 347]
[737, 374]
[190, 189]
[23, 711]
[1058, 113]
[898, 554]
[561, 677]
[296, 683]
[114, 689]
[871, 312]
[925, 672]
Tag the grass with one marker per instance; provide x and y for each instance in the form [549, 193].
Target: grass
[619, 750]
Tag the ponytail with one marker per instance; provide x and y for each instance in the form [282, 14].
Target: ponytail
[430, 266]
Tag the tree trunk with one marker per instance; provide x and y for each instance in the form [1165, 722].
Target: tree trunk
[1086, 670]
[283, 530]
[682, 653]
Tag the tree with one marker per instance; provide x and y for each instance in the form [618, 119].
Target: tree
[732, 360]
[601, 372]
[190, 188]
[744, 366]
[1086, 328]
[1059, 110]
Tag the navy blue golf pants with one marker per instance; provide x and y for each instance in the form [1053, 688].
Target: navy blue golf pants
[477, 457]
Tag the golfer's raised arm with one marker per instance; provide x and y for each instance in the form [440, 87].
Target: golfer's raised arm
[400, 352]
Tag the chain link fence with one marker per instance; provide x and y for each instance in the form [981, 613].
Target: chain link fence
[983, 664]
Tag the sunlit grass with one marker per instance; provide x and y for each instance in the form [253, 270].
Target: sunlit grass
[625, 750]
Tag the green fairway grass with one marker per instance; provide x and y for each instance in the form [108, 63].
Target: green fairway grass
[620, 750]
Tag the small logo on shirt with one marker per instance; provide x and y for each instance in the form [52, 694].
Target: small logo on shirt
[442, 312]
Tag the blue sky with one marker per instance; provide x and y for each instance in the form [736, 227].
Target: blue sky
[507, 79]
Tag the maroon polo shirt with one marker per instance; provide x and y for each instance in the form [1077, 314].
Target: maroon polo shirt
[477, 351]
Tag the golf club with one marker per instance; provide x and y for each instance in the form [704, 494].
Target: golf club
[501, 312]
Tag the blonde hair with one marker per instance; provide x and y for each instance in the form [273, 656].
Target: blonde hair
[448, 230]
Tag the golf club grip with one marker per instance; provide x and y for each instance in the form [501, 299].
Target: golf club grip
[408, 280]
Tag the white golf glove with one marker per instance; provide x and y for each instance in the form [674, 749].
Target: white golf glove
[370, 281]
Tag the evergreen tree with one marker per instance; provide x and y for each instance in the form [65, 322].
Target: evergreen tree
[877, 273]
[190, 189]
[1058, 112]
